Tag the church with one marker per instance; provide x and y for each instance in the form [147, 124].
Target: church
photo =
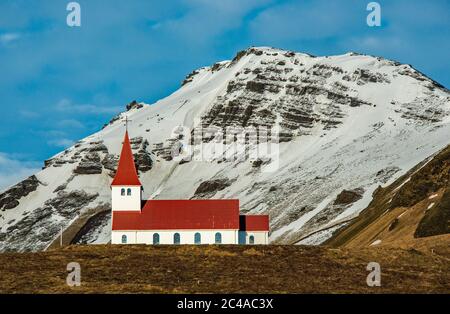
[208, 221]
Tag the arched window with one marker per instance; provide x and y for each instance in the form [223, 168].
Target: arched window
[156, 238]
[197, 238]
[218, 238]
[128, 191]
[122, 192]
[251, 239]
[176, 238]
[124, 239]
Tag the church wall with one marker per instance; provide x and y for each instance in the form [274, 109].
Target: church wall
[116, 237]
[187, 236]
[126, 202]
[260, 237]
[167, 236]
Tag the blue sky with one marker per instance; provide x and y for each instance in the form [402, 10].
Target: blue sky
[59, 84]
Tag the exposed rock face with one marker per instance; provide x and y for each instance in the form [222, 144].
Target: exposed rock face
[142, 158]
[90, 164]
[297, 98]
[110, 163]
[93, 228]
[189, 77]
[67, 204]
[210, 187]
[10, 198]
[36, 227]
[347, 197]
[134, 105]
[39, 225]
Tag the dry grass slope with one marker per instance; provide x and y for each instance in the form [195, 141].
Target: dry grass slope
[417, 205]
[225, 269]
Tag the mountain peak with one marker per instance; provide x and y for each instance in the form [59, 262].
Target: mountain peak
[346, 123]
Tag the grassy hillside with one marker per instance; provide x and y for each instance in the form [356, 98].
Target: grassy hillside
[414, 206]
[225, 269]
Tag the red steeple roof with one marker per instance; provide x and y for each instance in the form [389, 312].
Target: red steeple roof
[126, 173]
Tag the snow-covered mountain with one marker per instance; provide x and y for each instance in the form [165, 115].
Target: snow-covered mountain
[348, 124]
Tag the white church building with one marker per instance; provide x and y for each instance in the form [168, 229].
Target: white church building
[209, 221]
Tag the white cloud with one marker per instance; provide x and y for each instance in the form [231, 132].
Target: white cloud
[376, 43]
[205, 20]
[293, 21]
[6, 38]
[70, 123]
[13, 171]
[61, 142]
[67, 106]
[29, 114]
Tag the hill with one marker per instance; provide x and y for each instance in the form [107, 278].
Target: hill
[415, 207]
[226, 269]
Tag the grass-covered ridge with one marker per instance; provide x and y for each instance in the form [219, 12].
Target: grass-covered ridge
[224, 269]
[416, 205]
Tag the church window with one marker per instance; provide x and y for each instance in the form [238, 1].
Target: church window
[197, 238]
[156, 238]
[251, 239]
[218, 238]
[128, 191]
[124, 239]
[122, 192]
[176, 238]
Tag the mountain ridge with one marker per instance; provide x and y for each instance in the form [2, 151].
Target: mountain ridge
[347, 123]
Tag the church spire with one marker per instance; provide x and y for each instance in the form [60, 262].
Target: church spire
[126, 173]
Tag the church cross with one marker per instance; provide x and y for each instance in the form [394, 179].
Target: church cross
[126, 122]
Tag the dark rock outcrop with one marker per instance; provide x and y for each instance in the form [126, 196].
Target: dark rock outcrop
[134, 105]
[90, 164]
[10, 198]
[142, 158]
[94, 225]
[210, 187]
[68, 204]
[347, 197]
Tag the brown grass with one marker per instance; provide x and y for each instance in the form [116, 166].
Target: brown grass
[225, 269]
[410, 194]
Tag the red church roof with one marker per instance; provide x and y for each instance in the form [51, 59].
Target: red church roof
[254, 223]
[126, 171]
[180, 214]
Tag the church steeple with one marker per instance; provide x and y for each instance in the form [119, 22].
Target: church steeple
[126, 189]
[126, 173]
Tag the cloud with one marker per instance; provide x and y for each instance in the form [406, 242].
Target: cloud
[13, 170]
[205, 19]
[61, 142]
[7, 38]
[376, 43]
[70, 123]
[306, 20]
[29, 114]
[66, 106]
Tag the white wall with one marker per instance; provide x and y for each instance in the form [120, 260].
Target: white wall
[187, 236]
[116, 237]
[126, 202]
[166, 236]
[260, 237]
